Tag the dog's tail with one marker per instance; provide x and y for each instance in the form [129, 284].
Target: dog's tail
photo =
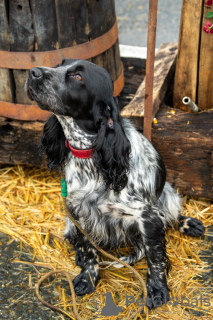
[170, 204]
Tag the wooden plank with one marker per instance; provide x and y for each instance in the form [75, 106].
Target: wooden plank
[20, 77]
[115, 49]
[185, 141]
[97, 27]
[164, 71]
[205, 75]
[104, 9]
[21, 26]
[80, 28]
[6, 92]
[44, 25]
[6, 88]
[20, 21]
[19, 141]
[65, 21]
[116, 54]
[72, 22]
[188, 53]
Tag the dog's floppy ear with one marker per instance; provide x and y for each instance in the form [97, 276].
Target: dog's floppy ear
[52, 143]
[111, 148]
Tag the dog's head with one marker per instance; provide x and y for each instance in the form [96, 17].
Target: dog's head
[84, 91]
[72, 88]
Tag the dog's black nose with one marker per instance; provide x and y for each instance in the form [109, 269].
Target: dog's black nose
[36, 73]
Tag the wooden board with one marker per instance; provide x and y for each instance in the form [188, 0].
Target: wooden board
[188, 53]
[185, 141]
[65, 22]
[6, 87]
[44, 25]
[20, 21]
[20, 77]
[164, 72]
[205, 72]
[110, 59]
[19, 142]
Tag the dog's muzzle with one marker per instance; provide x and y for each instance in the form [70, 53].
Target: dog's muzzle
[35, 74]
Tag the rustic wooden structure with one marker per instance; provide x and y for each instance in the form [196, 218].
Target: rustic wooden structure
[194, 76]
[185, 140]
[163, 74]
[34, 33]
[6, 92]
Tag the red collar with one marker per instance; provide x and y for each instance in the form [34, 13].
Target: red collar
[83, 153]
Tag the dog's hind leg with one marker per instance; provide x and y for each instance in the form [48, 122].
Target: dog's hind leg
[190, 226]
[86, 281]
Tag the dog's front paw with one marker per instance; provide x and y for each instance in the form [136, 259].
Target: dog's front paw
[157, 294]
[85, 282]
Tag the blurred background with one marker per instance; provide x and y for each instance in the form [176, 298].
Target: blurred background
[132, 18]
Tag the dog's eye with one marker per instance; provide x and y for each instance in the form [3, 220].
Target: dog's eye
[78, 76]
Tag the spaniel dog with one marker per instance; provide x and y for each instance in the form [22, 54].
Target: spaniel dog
[116, 179]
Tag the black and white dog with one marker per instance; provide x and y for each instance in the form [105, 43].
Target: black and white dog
[115, 177]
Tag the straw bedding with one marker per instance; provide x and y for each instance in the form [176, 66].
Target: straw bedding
[31, 211]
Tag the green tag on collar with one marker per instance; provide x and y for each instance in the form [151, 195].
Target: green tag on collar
[63, 188]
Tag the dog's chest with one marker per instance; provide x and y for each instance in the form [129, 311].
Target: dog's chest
[80, 175]
[105, 216]
[79, 172]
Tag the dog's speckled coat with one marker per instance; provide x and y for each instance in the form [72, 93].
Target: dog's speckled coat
[119, 196]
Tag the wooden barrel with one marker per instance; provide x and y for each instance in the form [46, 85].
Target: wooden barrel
[42, 33]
